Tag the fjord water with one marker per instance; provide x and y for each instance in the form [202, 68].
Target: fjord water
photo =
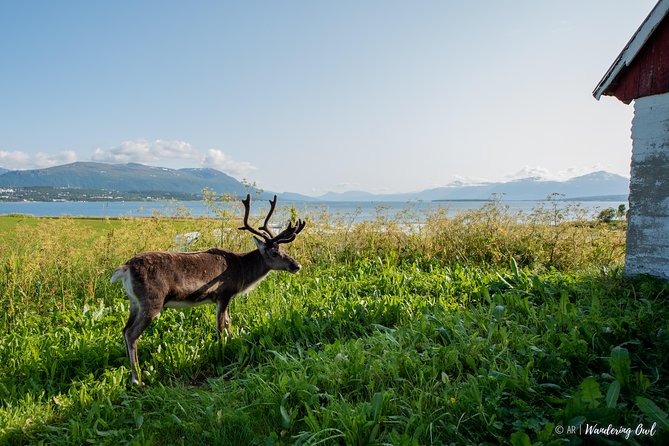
[356, 211]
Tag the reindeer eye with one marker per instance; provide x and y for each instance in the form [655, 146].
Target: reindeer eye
[274, 253]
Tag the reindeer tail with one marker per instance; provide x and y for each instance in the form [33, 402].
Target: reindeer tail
[118, 273]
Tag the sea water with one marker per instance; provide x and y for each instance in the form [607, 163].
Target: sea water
[358, 211]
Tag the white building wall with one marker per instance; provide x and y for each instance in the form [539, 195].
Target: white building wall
[648, 228]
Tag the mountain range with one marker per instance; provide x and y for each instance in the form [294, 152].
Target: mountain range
[138, 177]
[122, 177]
[590, 186]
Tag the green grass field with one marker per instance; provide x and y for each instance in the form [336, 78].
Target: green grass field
[484, 328]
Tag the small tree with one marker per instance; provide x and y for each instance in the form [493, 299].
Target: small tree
[607, 215]
[621, 214]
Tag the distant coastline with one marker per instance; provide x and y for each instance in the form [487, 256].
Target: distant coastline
[60, 194]
[615, 197]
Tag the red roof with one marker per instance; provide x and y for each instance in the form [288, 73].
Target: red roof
[642, 68]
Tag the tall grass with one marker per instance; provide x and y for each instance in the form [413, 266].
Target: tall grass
[486, 327]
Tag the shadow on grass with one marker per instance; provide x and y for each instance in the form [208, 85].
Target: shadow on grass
[573, 324]
[76, 375]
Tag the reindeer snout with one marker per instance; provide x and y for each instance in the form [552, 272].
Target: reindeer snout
[295, 267]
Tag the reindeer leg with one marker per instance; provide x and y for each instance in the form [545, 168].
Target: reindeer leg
[227, 323]
[223, 318]
[222, 323]
[137, 322]
[134, 311]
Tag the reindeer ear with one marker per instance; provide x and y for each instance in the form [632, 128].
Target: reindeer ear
[260, 244]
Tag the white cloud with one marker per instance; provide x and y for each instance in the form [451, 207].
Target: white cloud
[18, 159]
[346, 187]
[144, 151]
[161, 151]
[14, 160]
[216, 159]
[530, 172]
[65, 157]
[460, 181]
[158, 152]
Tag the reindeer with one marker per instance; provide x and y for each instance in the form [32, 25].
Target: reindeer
[157, 280]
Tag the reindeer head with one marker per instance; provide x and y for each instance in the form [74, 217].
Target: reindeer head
[269, 243]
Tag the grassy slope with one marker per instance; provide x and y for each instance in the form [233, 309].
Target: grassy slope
[382, 338]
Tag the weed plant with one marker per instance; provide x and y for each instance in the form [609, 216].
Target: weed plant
[489, 327]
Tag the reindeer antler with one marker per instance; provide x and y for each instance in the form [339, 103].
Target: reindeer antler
[247, 227]
[285, 236]
[289, 234]
[264, 227]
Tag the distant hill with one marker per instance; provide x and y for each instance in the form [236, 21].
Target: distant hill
[590, 186]
[3, 170]
[123, 177]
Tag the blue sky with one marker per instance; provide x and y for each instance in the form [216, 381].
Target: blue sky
[314, 96]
